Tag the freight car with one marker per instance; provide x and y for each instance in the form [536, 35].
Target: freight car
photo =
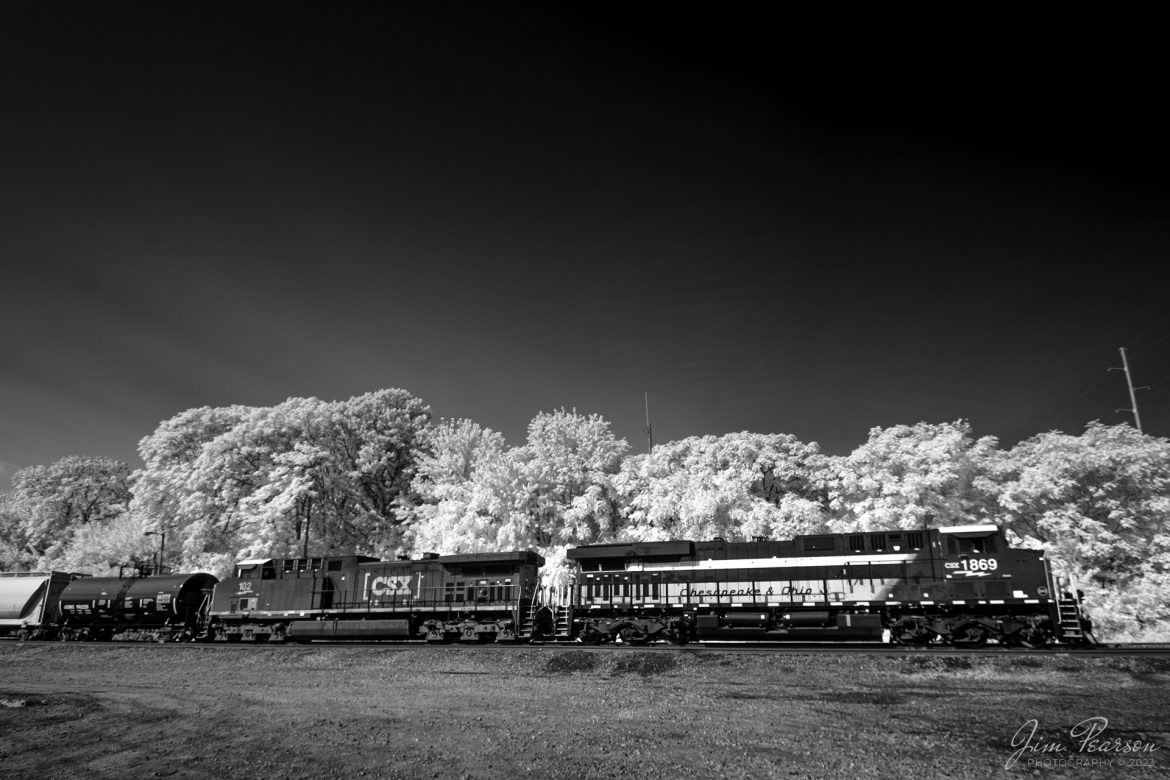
[440, 598]
[166, 608]
[961, 585]
[30, 602]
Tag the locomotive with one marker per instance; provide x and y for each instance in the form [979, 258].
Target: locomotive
[959, 585]
[476, 598]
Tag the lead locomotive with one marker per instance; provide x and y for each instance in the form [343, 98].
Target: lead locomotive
[961, 585]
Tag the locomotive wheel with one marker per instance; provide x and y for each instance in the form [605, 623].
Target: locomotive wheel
[630, 636]
[914, 634]
[1030, 637]
[591, 636]
[971, 636]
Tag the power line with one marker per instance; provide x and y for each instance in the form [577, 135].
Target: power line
[1165, 318]
[1093, 383]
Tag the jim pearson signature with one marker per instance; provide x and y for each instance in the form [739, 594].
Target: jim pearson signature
[1087, 737]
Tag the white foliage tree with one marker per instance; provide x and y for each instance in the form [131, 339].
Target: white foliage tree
[163, 497]
[553, 491]
[49, 505]
[914, 476]
[568, 464]
[1100, 504]
[303, 477]
[457, 485]
[735, 486]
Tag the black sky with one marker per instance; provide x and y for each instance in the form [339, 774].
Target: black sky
[767, 222]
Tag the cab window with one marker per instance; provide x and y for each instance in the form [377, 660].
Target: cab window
[982, 545]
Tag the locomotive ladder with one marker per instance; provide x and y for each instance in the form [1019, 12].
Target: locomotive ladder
[1071, 628]
[561, 612]
[527, 619]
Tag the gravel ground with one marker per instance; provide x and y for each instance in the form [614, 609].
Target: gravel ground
[126, 711]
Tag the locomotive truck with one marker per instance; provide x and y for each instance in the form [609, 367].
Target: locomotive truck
[959, 585]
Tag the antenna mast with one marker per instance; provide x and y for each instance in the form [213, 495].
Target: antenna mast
[649, 430]
[1137, 420]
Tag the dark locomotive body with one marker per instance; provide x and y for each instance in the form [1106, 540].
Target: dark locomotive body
[961, 585]
[481, 597]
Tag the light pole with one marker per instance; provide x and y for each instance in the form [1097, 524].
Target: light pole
[162, 548]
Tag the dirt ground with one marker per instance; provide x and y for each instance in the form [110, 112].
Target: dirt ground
[129, 711]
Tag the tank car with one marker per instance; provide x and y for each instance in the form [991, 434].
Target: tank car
[163, 608]
[960, 585]
[29, 602]
[482, 597]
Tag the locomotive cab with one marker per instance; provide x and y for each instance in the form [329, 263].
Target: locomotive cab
[978, 563]
[972, 565]
[268, 594]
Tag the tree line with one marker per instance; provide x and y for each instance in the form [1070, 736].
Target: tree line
[378, 475]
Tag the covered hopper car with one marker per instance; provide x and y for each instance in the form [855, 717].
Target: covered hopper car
[30, 602]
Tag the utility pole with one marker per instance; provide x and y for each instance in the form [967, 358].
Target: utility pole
[649, 430]
[1137, 420]
[162, 549]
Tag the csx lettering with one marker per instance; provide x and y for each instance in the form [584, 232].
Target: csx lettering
[390, 586]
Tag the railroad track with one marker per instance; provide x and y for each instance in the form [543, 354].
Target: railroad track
[788, 648]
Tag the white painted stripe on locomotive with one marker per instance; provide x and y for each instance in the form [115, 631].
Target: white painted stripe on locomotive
[772, 563]
[968, 529]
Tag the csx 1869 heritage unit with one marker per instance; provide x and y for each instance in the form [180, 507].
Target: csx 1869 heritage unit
[962, 585]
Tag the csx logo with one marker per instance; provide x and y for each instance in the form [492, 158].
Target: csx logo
[390, 586]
